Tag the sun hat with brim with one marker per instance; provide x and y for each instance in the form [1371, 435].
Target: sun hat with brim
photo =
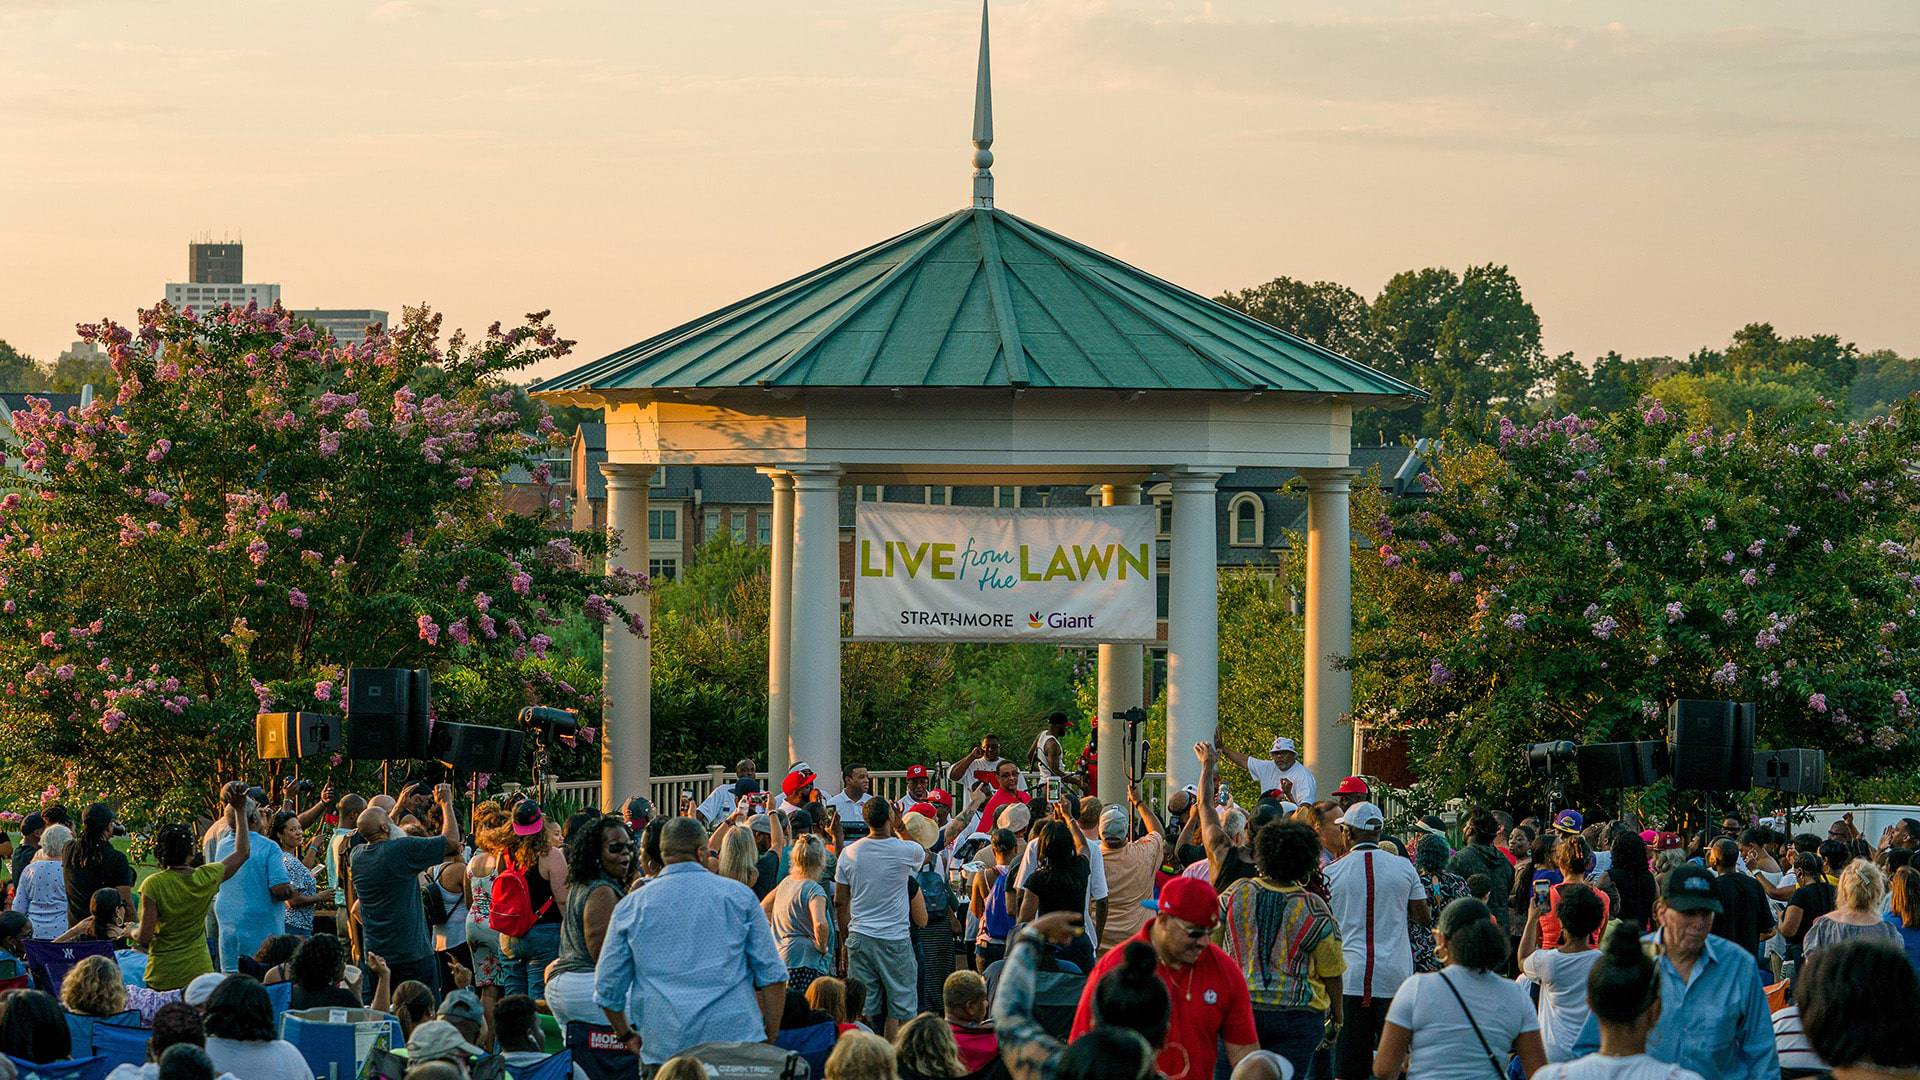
[528, 820]
[202, 988]
[1281, 745]
[436, 1040]
[1015, 817]
[922, 829]
[1189, 900]
[1689, 887]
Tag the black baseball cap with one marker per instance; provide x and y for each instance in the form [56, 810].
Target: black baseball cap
[1689, 887]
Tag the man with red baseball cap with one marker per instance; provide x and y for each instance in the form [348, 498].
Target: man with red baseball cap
[1209, 994]
[1352, 790]
[919, 785]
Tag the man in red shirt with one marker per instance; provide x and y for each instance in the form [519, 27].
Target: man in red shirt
[1009, 794]
[1209, 994]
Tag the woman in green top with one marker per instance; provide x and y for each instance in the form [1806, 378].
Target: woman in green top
[174, 902]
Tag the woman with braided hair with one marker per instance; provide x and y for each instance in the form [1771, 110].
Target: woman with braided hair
[1287, 944]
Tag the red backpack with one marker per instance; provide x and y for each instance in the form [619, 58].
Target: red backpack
[511, 909]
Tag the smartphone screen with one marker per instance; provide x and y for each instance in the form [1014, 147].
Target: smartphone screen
[1540, 890]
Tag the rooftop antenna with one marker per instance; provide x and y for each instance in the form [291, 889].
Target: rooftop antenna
[983, 124]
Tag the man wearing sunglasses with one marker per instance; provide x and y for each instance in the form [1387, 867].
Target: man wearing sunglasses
[1209, 994]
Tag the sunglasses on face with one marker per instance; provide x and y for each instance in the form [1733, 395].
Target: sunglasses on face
[1187, 928]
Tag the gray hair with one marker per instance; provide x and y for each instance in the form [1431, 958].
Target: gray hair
[54, 840]
[1234, 824]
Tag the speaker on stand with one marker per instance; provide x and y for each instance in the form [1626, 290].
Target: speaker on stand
[387, 715]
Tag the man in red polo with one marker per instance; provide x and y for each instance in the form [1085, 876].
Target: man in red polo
[1209, 994]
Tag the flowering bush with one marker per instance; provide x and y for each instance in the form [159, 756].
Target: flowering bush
[1571, 580]
[255, 512]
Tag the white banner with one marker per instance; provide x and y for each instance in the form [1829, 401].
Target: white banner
[956, 573]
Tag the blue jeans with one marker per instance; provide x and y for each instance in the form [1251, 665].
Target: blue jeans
[524, 960]
[1294, 1034]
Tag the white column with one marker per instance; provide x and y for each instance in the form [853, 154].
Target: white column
[779, 630]
[1193, 623]
[1327, 696]
[814, 650]
[1122, 685]
[626, 658]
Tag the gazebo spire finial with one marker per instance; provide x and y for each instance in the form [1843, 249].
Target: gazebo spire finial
[983, 124]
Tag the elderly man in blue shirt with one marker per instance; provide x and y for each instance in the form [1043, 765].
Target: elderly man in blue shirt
[691, 955]
[1713, 1011]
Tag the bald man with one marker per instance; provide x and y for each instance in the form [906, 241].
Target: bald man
[696, 951]
[386, 869]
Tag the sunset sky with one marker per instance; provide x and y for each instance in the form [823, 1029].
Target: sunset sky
[1655, 173]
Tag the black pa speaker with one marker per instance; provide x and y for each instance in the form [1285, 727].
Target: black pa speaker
[1799, 771]
[1710, 744]
[387, 714]
[478, 748]
[1621, 764]
[280, 735]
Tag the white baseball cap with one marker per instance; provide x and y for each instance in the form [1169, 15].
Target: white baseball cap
[1363, 816]
[1282, 743]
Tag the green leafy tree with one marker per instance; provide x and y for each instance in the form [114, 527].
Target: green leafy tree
[18, 370]
[1326, 313]
[252, 514]
[1577, 576]
[74, 370]
[1881, 378]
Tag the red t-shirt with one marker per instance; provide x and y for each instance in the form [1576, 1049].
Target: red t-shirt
[1210, 1003]
[990, 813]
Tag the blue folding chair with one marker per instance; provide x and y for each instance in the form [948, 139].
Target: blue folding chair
[554, 1067]
[91, 1068]
[81, 1029]
[328, 1048]
[121, 1043]
[813, 1042]
[280, 994]
[50, 962]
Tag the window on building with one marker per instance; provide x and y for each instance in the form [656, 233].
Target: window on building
[711, 525]
[663, 569]
[939, 496]
[870, 493]
[659, 477]
[738, 525]
[1161, 584]
[763, 528]
[1163, 517]
[1249, 520]
[1006, 498]
[663, 524]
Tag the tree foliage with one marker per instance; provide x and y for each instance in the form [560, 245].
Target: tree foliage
[1577, 576]
[254, 512]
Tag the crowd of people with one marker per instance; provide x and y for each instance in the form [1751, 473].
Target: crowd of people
[985, 923]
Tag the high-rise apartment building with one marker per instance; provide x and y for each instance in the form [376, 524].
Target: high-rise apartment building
[214, 277]
[214, 264]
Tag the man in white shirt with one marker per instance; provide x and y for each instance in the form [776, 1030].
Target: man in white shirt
[719, 805]
[919, 788]
[874, 915]
[851, 800]
[1049, 760]
[1283, 773]
[1376, 896]
[981, 766]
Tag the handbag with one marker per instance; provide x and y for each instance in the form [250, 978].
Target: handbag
[1492, 1059]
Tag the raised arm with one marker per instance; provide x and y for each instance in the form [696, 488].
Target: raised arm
[1211, 834]
[960, 767]
[242, 835]
[450, 825]
[1025, 1047]
[1147, 817]
[1234, 756]
[313, 813]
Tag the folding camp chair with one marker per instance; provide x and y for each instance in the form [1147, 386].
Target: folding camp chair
[600, 1053]
[91, 1068]
[49, 963]
[553, 1067]
[328, 1047]
[80, 1029]
[280, 995]
[121, 1043]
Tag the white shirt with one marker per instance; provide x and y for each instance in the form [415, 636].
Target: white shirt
[990, 766]
[149, 1071]
[1601, 1067]
[1375, 940]
[1445, 1046]
[1096, 876]
[874, 871]
[908, 802]
[718, 805]
[520, 1059]
[1563, 996]
[275, 1059]
[1268, 776]
[1040, 755]
[850, 810]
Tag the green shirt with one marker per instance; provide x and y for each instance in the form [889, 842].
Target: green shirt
[178, 951]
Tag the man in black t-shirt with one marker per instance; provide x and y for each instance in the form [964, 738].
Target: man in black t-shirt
[1744, 917]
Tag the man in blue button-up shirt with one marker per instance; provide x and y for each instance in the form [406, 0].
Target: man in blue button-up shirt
[1713, 1012]
[689, 954]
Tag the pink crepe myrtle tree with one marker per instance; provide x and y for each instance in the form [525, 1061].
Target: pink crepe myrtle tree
[1569, 578]
[258, 509]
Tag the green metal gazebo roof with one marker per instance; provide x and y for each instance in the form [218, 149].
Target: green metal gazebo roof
[975, 300]
[979, 298]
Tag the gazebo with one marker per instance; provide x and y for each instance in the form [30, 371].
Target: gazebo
[981, 348]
